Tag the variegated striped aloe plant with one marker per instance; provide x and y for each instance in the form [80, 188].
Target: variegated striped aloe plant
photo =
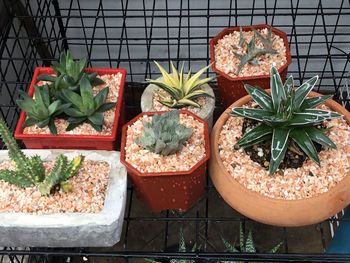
[287, 114]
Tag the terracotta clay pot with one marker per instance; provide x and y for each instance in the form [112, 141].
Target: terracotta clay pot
[168, 190]
[268, 210]
[232, 89]
[75, 141]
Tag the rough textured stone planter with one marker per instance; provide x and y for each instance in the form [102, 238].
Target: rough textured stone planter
[206, 112]
[232, 89]
[71, 229]
[273, 211]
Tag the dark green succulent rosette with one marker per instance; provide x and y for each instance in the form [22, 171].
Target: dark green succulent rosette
[285, 115]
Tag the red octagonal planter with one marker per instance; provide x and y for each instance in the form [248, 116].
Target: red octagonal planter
[232, 89]
[75, 141]
[168, 190]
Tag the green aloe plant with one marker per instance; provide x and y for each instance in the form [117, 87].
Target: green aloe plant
[41, 110]
[68, 74]
[246, 245]
[30, 170]
[86, 107]
[183, 89]
[164, 135]
[284, 116]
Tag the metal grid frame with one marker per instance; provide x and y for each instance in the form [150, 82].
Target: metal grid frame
[131, 34]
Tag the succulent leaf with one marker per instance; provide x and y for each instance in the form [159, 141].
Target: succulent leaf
[310, 103]
[254, 134]
[164, 135]
[318, 136]
[255, 114]
[183, 90]
[278, 147]
[303, 91]
[260, 96]
[304, 142]
[86, 107]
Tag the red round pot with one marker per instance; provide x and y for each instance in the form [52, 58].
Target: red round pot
[74, 141]
[232, 89]
[168, 190]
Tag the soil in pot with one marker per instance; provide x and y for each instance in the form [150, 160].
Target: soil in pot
[228, 48]
[298, 179]
[87, 196]
[227, 62]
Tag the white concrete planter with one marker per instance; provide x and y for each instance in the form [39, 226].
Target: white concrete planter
[206, 112]
[71, 229]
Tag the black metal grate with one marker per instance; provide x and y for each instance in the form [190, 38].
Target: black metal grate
[131, 34]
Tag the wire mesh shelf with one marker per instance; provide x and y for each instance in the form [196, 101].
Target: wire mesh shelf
[131, 34]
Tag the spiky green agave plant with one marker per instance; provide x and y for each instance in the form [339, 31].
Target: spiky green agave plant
[287, 114]
[30, 170]
[183, 89]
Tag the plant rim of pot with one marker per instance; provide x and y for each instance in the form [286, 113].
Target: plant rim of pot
[48, 70]
[229, 30]
[190, 171]
[245, 200]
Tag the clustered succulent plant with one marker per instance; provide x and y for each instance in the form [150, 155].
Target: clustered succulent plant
[253, 52]
[68, 74]
[286, 116]
[246, 245]
[86, 107]
[164, 135]
[30, 170]
[70, 92]
[183, 89]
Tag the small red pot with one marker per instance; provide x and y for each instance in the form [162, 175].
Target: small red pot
[168, 190]
[71, 141]
[232, 89]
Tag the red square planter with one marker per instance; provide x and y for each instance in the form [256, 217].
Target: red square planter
[232, 89]
[168, 190]
[72, 141]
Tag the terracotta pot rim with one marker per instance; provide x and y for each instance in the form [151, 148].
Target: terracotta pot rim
[48, 70]
[228, 30]
[158, 174]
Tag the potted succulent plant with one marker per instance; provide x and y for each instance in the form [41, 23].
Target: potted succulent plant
[48, 200]
[177, 90]
[70, 106]
[283, 158]
[166, 154]
[244, 55]
[246, 245]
